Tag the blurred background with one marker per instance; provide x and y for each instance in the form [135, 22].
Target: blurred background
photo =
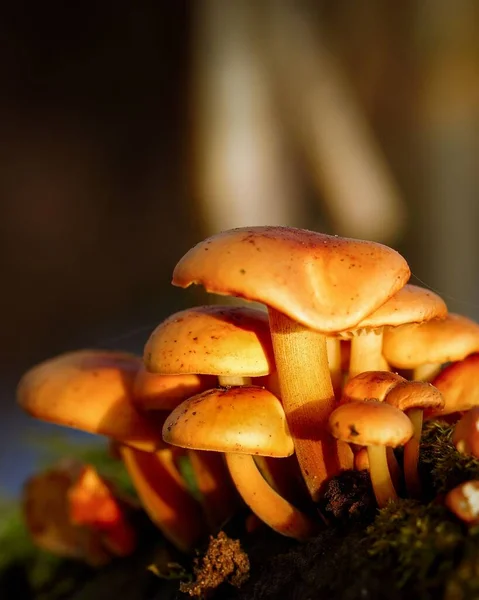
[129, 131]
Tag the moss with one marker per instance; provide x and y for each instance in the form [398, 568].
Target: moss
[442, 467]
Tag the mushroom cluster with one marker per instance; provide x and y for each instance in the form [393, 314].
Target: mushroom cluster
[269, 405]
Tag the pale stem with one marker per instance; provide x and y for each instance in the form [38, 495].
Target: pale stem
[213, 481]
[411, 454]
[232, 380]
[366, 353]
[171, 508]
[308, 400]
[380, 477]
[333, 346]
[268, 505]
[426, 372]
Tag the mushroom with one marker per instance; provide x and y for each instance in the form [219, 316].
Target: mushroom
[424, 348]
[411, 304]
[374, 385]
[463, 501]
[466, 433]
[95, 503]
[231, 342]
[242, 422]
[458, 386]
[153, 392]
[46, 510]
[413, 397]
[91, 390]
[313, 285]
[375, 425]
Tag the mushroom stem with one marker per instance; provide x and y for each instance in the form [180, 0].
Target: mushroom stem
[219, 498]
[156, 479]
[308, 400]
[231, 380]
[380, 477]
[426, 372]
[366, 353]
[267, 504]
[333, 346]
[411, 454]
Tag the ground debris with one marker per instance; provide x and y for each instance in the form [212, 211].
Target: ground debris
[349, 496]
[224, 562]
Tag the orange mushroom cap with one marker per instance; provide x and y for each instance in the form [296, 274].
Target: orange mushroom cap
[212, 340]
[243, 420]
[324, 282]
[437, 341]
[458, 385]
[370, 385]
[90, 390]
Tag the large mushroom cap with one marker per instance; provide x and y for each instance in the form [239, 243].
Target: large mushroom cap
[89, 390]
[415, 394]
[212, 340]
[370, 423]
[451, 339]
[243, 420]
[324, 282]
[411, 304]
[370, 385]
[458, 385]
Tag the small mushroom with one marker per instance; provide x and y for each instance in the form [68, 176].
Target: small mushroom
[313, 285]
[466, 433]
[242, 422]
[231, 342]
[458, 386]
[411, 304]
[463, 501]
[92, 390]
[374, 385]
[424, 348]
[89, 390]
[375, 425]
[414, 397]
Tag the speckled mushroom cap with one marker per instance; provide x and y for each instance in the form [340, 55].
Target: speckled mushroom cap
[324, 282]
[164, 392]
[370, 423]
[370, 385]
[212, 340]
[243, 420]
[415, 394]
[451, 339]
[466, 433]
[463, 501]
[458, 386]
[90, 390]
[411, 304]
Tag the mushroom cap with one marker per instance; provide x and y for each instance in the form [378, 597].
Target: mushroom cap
[324, 282]
[370, 423]
[370, 385]
[415, 394]
[212, 340]
[463, 501]
[164, 392]
[90, 390]
[411, 304]
[466, 433]
[242, 420]
[458, 385]
[451, 339]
